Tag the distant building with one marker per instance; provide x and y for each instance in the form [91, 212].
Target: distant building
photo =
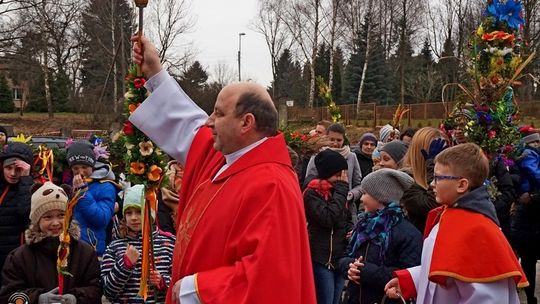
[20, 88]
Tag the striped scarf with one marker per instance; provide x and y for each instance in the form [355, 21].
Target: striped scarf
[376, 226]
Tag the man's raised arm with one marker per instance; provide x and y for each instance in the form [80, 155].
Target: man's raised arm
[168, 116]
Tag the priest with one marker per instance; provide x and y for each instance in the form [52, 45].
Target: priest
[241, 230]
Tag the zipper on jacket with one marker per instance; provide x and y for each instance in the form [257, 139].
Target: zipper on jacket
[329, 263]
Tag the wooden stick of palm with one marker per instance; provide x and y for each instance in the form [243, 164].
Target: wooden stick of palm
[141, 4]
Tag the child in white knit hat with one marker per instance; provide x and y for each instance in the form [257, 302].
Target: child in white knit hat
[30, 272]
[121, 265]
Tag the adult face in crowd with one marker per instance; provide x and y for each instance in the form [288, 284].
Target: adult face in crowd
[243, 114]
[321, 128]
[368, 147]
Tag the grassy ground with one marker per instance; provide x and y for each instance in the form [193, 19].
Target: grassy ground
[40, 123]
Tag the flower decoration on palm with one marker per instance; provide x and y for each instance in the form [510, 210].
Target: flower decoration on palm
[144, 161]
[326, 94]
[489, 114]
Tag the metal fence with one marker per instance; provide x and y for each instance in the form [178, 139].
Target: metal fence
[372, 114]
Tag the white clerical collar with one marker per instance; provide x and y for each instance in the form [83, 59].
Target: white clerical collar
[232, 157]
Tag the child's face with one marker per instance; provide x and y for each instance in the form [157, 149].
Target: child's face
[332, 179]
[133, 218]
[83, 170]
[370, 203]
[3, 138]
[447, 186]
[12, 173]
[387, 161]
[52, 222]
[336, 139]
[534, 144]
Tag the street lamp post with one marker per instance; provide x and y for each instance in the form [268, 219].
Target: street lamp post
[239, 52]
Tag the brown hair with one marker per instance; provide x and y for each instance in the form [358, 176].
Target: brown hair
[414, 158]
[466, 160]
[264, 111]
[324, 123]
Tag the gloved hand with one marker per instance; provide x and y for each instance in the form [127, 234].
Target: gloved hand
[435, 147]
[69, 299]
[50, 297]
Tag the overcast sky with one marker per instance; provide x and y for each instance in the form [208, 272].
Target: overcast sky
[216, 37]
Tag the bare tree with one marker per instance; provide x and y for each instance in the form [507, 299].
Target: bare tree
[369, 27]
[302, 19]
[269, 23]
[350, 17]
[333, 29]
[223, 74]
[169, 20]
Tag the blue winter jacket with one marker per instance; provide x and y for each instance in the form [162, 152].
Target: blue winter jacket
[94, 211]
[529, 169]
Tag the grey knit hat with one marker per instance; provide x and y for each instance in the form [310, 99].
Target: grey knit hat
[531, 138]
[396, 149]
[386, 185]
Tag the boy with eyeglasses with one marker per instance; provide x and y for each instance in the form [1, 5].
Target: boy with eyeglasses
[465, 257]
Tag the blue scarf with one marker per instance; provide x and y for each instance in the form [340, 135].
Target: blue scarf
[376, 226]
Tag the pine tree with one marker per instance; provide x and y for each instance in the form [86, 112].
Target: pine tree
[283, 76]
[353, 69]
[337, 84]
[448, 67]
[36, 98]
[60, 92]
[193, 78]
[378, 84]
[6, 96]
[424, 81]
[193, 82]
[289, 84]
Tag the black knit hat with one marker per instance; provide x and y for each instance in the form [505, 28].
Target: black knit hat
[81, 153]
[329, 163]
[17, 150]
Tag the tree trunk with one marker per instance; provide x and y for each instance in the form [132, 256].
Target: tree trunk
[366, 60]
[314, 55]
[335, 4]
[402, 52]
[44, 67]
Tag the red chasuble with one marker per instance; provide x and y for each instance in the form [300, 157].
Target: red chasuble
[244, 234]
[471, 248]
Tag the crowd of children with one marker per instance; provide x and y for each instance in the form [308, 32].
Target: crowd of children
[417, 187]
[98, 262]
[366, 208]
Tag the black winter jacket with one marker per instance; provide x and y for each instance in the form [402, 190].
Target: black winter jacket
[506, 194]
[14, 215]
[31, 269]
[365, 162]
[328, 224]
[404, 251]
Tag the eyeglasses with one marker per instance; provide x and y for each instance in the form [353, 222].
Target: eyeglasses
[443, 177]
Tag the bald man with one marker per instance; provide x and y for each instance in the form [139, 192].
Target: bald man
[241, 235]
